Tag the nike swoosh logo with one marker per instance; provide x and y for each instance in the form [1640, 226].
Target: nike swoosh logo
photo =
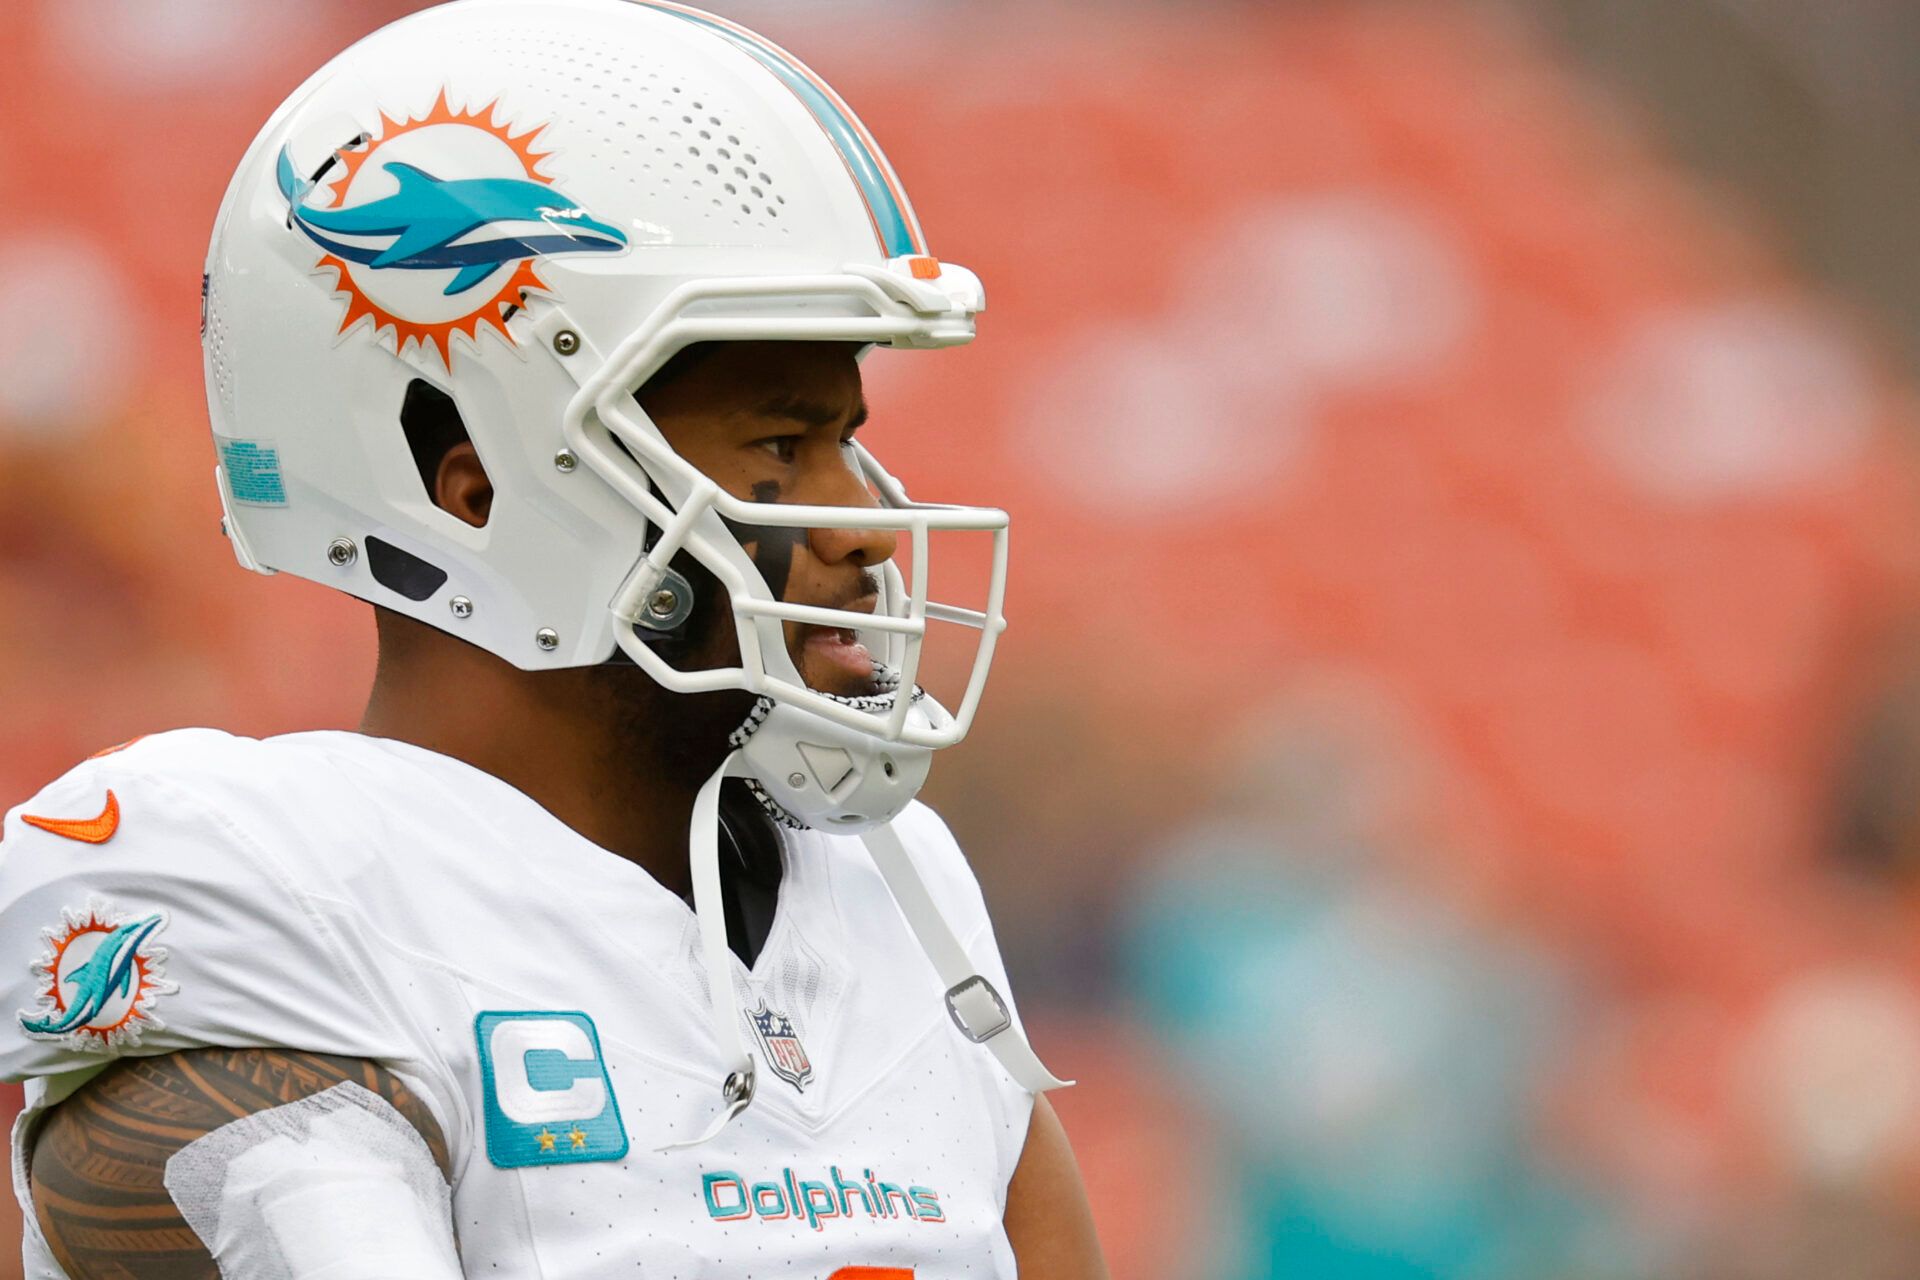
[86, 830]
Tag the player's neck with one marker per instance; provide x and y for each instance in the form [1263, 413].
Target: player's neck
[562, 739]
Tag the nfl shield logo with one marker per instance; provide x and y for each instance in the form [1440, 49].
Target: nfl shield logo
[782, 1048]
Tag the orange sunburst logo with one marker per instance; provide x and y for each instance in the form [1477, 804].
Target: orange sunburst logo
[102, 972]
[432, 225]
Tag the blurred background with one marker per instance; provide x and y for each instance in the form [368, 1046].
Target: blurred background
[1452, 790]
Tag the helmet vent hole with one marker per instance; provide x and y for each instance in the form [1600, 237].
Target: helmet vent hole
[401, 571]
[217, 336]
[620, 105]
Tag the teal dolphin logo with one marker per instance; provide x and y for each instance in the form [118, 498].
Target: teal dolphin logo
[473, 226]
[111, 973]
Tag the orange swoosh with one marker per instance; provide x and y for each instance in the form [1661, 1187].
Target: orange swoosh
[88, 830]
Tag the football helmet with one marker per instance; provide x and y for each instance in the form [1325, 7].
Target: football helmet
[529, 206]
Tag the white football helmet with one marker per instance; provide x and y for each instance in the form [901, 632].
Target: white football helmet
[530, 205]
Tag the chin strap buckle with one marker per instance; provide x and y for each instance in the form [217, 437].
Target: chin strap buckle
[738, 1087]
[977, 1009]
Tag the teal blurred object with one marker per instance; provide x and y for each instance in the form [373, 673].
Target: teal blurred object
[1369, 1059]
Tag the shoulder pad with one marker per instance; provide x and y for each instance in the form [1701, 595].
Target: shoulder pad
[137, 915]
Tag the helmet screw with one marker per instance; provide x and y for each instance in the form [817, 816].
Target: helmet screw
[566, 342]
[461, 606]
[663, 603]
[796, 780]
[547, 638]
[565, 461]
[341, 553]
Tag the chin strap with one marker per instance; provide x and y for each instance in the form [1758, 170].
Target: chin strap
[972, 1002]
[976, 1008]
[704, 861]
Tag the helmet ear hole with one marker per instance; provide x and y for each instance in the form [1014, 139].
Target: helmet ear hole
[433, 427]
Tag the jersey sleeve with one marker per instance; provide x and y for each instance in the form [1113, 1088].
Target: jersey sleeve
[137, 918]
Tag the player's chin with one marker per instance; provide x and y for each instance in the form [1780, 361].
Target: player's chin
[833, 662]
[841, 685]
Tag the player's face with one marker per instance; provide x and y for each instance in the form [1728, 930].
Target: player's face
[772, 422]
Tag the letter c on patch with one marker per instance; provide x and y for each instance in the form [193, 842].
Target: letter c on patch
[523, 1102]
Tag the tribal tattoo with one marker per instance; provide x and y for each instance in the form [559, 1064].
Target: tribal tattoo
[100, 1157]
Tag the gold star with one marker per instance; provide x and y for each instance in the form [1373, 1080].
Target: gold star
[579, 1138]
[546, 1140]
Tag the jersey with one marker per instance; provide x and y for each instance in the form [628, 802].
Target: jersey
[546, 998]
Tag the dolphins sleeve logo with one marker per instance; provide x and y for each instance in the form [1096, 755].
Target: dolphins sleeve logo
[435, 226]
[103, 972]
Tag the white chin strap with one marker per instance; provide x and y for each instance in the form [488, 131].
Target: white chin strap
[704, 854]
[976, 1008]
[973, 1003]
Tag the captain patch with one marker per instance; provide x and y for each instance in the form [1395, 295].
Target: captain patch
[549, 1099]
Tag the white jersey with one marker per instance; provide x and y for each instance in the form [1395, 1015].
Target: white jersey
[546, 998]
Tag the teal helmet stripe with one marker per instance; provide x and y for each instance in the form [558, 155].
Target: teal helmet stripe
[892, 221]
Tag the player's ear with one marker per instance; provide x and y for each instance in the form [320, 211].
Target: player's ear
[461, 485]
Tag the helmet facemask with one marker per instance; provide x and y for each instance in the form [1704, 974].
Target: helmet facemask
[843, 749]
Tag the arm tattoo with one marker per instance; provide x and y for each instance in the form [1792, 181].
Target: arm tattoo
[100, 1157]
